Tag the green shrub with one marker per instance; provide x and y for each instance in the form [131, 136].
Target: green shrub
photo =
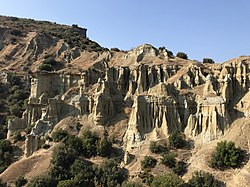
[83, 172]
[180, 168]
[157, 148]
[168, 179]
[45, 67]
[6, 151]
[208, 61]
[148, 162]
[182, 55]
[204, 179]
[58, 135]
[169, 160]
[14, 80]
[104, 147]
[21, 181]
[64, 156]
[73, 142]
[89, 142]
[226, 155]
[146, 177]
[109, 174]
[59, 172]
[42, 181]
[176, 140]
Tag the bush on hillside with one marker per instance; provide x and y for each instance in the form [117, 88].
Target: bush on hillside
[104, 147]
[182, 55]
[203, 179]
[45, 67]
[226, 155]
[109, 174]
[6, 151]
[169, 159]
[176, 140]
[157, 148]
[168, 179]
[42, 181]
[21, 181]
[180, 168]
[83, 172]
[58, 135]
[148, 162]
[89, 142]
[208, 61]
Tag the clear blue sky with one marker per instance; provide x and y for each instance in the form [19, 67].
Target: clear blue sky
[219, 29]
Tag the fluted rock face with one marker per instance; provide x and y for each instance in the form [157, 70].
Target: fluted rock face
[211, 119]
[243, 106]
[152, 113]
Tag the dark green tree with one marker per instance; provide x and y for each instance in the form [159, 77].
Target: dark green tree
[42, 181]
[176, 140]
[182, 55]
[104, 147]
[157, 148]
[148, 162]
[110, 174]
[204, 179]
[89, 142]
[6, 151]
[58, 135]
[226, 155]
[208, 61]
[168, 179]
[21, 181]
[83, 172]
[180, 168]
[169, 159]
[64, 156]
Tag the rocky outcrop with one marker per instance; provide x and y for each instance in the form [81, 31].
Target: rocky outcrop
[164, 94]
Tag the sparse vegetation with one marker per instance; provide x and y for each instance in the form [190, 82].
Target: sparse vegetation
[226, 155]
